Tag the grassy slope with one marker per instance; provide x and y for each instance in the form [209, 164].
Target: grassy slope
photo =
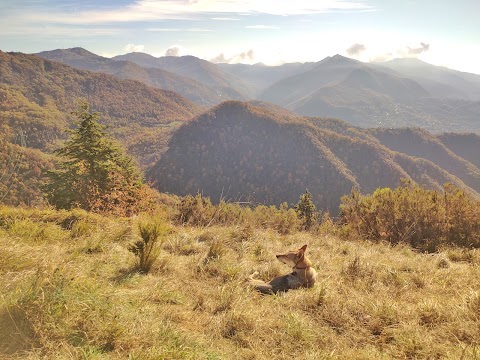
[69, 294]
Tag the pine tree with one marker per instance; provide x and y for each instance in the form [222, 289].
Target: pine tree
[306, 210]
[95, 174]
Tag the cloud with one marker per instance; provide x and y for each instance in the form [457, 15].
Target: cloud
[173, 51]
[151, 10]
[164, 29]
[408, 51]
[356, 49]
[416, 51]
[224, 19]
[244, 57]
[220, 59]
[264, 27]
[178, 29]
[134, 48]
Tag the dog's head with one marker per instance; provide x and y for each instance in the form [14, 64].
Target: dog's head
[293, 257]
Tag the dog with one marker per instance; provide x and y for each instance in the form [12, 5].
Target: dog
[303, 275]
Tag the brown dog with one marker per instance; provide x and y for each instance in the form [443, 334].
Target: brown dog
[303, 274]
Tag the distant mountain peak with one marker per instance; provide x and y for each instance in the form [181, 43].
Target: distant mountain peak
[408, 62]
[73, 53]
[338, 60]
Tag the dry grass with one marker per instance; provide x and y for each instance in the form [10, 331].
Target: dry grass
[67, 292]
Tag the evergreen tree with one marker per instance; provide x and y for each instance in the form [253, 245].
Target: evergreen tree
[95, 174]
[306, 210]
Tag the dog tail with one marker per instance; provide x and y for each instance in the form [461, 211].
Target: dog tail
[260, 285]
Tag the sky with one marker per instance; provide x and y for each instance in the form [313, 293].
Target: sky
[440, 32]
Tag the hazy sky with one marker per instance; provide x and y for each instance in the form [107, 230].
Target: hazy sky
[442, 32]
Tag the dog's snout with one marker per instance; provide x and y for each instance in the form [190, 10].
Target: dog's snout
[277, 256]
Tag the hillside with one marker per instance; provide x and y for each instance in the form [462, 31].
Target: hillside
[243, 152]
[225, 85]
[466, 146]
[37, 96]
[70, 291]
[440, 81]
[419, 143]
[82, 59]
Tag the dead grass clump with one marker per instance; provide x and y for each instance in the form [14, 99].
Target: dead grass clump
[430, 314]
[298, 328]
[384, 316]
[216, 250]
[443, 263]
[238, 326]
[205, 236]
[393, 279]
[225, 301]
[81, 228]
[313, 299]
[183, 244]
[357, 269]
[471, 256]
[34, 232]
[473, 305]
[418, 281]
[243, 234]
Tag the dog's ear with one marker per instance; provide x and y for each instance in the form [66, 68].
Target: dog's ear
[304, 248]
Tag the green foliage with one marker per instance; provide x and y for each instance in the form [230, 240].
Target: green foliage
[306, 210]
[95, 174]
[147, 249]
[425, 219]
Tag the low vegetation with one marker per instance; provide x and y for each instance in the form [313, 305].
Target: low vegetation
[72, 289]
[425, 219]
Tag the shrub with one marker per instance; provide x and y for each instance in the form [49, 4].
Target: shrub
[147, 248]
[425, 219]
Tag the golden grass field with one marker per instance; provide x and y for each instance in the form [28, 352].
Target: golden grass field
[68, 292]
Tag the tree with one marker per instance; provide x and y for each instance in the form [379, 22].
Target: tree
[94, 173]
[306, 210]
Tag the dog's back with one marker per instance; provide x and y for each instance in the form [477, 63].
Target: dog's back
[303, 274]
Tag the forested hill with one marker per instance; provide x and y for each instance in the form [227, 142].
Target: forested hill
[244, 152]
[37, 95]
[36, 98]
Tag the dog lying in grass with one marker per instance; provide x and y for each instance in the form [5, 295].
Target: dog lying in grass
[303, 274]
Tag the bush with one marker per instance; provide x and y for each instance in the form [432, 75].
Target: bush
[425, 219]
[147, 248]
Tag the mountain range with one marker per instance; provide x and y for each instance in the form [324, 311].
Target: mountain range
[398, 93]
[258, 151]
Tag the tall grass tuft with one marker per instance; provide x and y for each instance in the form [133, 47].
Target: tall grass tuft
[147, 249]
